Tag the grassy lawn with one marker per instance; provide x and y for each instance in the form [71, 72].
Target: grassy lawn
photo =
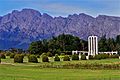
[10, 72]
[103, 61]
[31, 71]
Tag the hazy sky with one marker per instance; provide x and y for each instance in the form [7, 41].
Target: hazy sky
[64, 7]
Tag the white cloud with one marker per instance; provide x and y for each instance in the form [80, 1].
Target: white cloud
[64, 9]
[58, 8]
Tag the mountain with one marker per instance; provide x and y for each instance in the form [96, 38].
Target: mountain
[19, 28]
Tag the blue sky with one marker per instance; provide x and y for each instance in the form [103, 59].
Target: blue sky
[64, 7]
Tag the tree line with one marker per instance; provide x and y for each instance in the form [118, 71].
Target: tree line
[110, 44]
[61, 43]
[67, 42]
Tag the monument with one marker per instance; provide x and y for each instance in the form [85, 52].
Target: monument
[92, 45]
[92, 48]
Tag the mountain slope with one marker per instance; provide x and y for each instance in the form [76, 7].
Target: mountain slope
[19, 28]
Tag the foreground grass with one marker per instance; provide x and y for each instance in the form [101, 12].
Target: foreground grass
[103, 61]
[32, 71]
[13, 72]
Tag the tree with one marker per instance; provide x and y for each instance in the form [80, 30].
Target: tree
[83, 45]
[45, 45]
[102, 44]
[117, 48]
[56, 45]
[110, 44]
[36, 47]
[118, 39]
[64, 43]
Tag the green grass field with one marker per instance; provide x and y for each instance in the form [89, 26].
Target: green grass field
[32, 71]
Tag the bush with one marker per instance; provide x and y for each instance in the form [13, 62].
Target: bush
[56, 58]
[97, 57]
[8, 53]
[62, 54]
[27, 54]
[83, 57]
[32, 58]
[0, 60]
[18, 58]
[22, 55]
[114, 56]
[2, 56]
[66, 58]
[49, 54]
[91, 57]
[12, 55]
[104, 56]
[43, 54]
[75, 57]
[45, 58]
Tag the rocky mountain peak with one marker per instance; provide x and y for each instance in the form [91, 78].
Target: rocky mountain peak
[19, 28]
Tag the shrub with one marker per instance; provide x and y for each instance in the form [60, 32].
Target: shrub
[56, 58]
[114, 56]
[62, 54]
[75, 57]
[2, 56]
[66, 58]
[45, 58]
[18, 58]
[43, 54]
[97, 57]
[12, 55]
[8, 53]
[104, 56]
[49, 54]
[91, 57]
[83, 57]
[22, 55]
[32, 58]
[27, 54]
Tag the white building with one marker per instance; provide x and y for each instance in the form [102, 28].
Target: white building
[92, 48]
[92, 45]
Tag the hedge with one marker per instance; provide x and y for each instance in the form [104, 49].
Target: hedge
[32, 58]
[18, 58]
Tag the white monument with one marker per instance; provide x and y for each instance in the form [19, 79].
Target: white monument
[92, 48]
[92, 45]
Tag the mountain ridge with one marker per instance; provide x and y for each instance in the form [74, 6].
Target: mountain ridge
[19, 28]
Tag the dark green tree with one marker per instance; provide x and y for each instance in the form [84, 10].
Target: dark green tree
[110, 44]
[102, 44]
[63, 43]
[36, 47]
[56, 45]
[118, 39]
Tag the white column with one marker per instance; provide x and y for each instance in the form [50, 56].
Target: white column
[93, 45]
[89, 45]
[96, 45]
[72, 52]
